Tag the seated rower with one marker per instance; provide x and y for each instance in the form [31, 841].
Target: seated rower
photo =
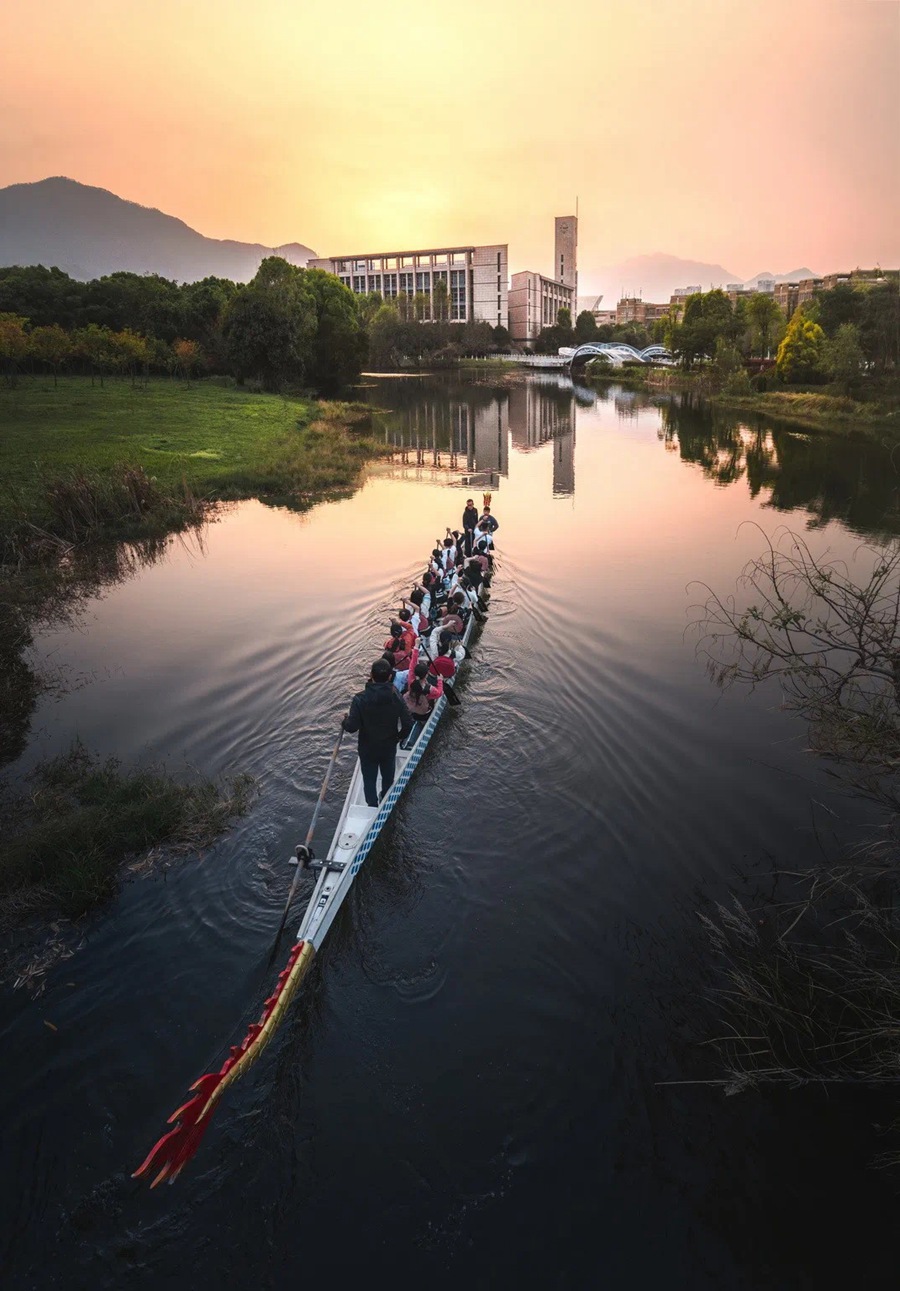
[452, 620]
[424, 692]
[399, 646]
[442, 665]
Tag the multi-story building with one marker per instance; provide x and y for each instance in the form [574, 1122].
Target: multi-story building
[475, 278]
[535, 302]
[631, 309]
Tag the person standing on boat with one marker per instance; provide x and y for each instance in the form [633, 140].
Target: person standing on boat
[469, 521]
[382, 720]
[487, 521]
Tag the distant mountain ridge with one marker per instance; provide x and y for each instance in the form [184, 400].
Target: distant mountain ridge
[656, 277]
[89, 232]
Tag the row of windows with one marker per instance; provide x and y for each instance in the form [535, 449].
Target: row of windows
[405, 284]
[379, 263]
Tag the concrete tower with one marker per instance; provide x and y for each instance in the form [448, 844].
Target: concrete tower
[565, 263]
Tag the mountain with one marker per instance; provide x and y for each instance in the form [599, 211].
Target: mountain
[89, 232]
[655, 277]
[797, 275]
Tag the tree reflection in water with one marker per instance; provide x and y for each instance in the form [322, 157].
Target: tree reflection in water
[832, 477]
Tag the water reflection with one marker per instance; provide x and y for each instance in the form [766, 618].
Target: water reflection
[462, 432]
[832, 477]
[443, 427]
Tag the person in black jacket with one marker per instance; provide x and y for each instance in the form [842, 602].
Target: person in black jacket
[470, 520]
[382, 720]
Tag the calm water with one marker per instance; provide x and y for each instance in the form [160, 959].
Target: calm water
[470, 1090]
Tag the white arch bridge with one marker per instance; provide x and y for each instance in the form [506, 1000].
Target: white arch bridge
[615, 353]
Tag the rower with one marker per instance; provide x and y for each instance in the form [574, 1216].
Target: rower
[424, 692]
[382, 720]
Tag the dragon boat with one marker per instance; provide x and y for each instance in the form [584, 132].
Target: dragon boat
[357, 830]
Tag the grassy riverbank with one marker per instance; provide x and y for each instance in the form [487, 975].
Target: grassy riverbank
[82, 466]
[812, 409]
[78, 459]
[820, 411]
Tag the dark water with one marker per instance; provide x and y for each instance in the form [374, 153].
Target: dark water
[471, 1090]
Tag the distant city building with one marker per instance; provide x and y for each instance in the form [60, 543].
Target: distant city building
[534, 300]
[476, 278]
[765, 285]
[631, 309]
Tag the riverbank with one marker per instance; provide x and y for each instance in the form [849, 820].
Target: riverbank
[813, 410]
[94, 479]
[81, 460]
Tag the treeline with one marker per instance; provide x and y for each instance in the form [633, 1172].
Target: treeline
[848, 335]
[289, 327]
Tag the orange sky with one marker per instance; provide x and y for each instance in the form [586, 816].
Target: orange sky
[762, 134]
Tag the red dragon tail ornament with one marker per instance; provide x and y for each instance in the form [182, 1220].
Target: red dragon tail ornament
[172, 1152]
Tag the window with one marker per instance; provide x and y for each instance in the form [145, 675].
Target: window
[423, 282]
[406, 284]
[374, 282]
[390, 285]
[359, 283]
[440, 275]
[375, 265]
[342, 266]
[498, 261]
[345, 280]
[458, 309]
[498, 282]
[359, 266]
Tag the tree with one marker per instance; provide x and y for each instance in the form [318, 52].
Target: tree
[338, 343]
[833, 645]
[764, 315]
[50, 345]
[187, 357]
[800, 353]
[13, 345]
[502, 338]
[879, 327]
[585, 327]
[269, 326]
[440, 300]
[841, 304]
[843, 358]
[564, 317]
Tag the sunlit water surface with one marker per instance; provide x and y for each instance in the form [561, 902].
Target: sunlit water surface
[474, 1087]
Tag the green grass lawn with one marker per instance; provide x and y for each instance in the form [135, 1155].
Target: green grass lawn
[222, 441]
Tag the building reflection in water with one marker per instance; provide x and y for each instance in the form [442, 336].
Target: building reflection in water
[466, 430]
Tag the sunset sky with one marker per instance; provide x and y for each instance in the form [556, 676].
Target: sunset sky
[762, 134]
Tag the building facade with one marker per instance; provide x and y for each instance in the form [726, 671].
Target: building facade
[475, 278]
[565, 253]
[534, 303]
[631, 309]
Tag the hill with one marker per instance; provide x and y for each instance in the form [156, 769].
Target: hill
[89, 232]
[655, 277]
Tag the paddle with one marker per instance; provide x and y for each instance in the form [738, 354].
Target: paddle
[309, 833]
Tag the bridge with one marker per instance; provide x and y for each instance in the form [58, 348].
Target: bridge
[615, 353]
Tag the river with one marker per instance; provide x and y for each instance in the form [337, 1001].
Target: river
[475, 1086]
